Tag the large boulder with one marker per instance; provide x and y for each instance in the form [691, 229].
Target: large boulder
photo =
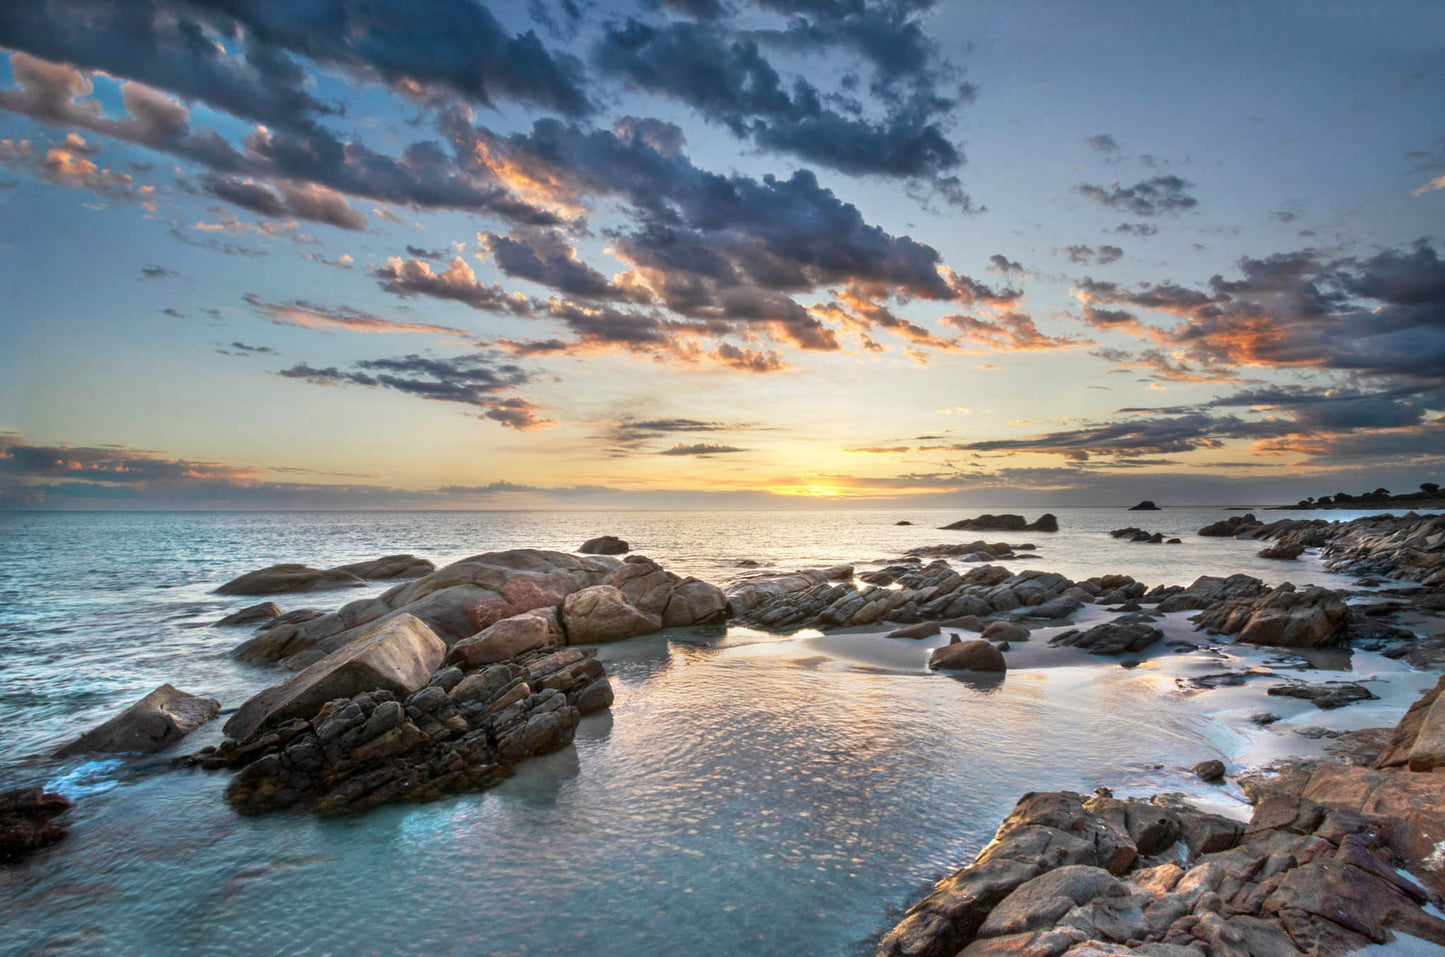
[396, 655]
[604, 545]
[602, 613]
[265, 611]
[28, 821]
[289, 578]
[694, 602]
[973, 655]
[156, 721]
[506, 639]
[1111, 637]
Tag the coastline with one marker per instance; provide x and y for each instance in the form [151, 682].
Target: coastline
[1038, 656]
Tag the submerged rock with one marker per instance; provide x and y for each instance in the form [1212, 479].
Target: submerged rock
[397, 655]
[1005, 523]
[265, 611]
[604, 545]
[1329, 695]
[29, 821]
[1111, 637]
[289, 578]
[156, 721]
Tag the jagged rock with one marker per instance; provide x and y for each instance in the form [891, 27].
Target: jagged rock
[1206, 592]
[1145, 506]
[1283, 616]
[1284, 550]
[602, 613]
[265, 611]
[28, 821]
[604, 545]
[1005, 523]
[1138, 535]
[156, 721]
[1331, 694]
[1111, 637]
[373, 748]
[1418, 741]
[1231, 527]
[975, 655]
[1005, 631]
[397, 655]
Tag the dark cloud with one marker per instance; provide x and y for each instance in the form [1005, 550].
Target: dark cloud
[472, 379]
[1004, 266]
[457, 283]
[312, 316]
[1150, 197]
[420, 253]
[1133, 437]
[1092, 255]
[306, 201]
[1136, 229]
[157, 272]
[544, 256]
[723, 71]
[1102, 142]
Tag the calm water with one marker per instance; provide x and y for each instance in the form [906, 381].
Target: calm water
[745, 794]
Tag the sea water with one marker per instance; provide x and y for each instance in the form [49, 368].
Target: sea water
[746, 793]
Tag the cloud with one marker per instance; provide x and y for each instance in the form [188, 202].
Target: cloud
[1004, 266]
[157, 272]
[407, 277]
[471, 379]
[302, 201]
[312, 316]
[242, 350]
[544, 256]
[700, 449]
[1102, 142]
[1136, 229]
[1132, 437]
[1010, 332]
[1150, 197]
[69, 163]
[1090, 255]
[1434, 184]
[420, 253]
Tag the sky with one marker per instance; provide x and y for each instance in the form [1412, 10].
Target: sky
[718, 253]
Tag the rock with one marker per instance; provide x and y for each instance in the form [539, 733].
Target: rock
[1040, 902]
[1418, 741]
[974, 655]
[1005, 631]
[902, 523]
[602, 613]
[1284, 550]
[389, 566]
[505, 639]
[28, 821]
[1005, 523]
[1232, 526]
[604, 545]
[288, 578]
[397, 655]
[265, 611]
[1112, 637]
[1211, 770]
[1207, 591]
[1145, 506]
[694, 602]
[1331, 694]
[924, 629]
[1286, 617]
[156, 721]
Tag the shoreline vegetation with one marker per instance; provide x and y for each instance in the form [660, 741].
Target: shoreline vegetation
[1428, 497]
[449, 679]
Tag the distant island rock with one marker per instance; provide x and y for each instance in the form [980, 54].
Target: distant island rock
[1004, 523]
[903, 523]
[1145, 506]
[604, 545]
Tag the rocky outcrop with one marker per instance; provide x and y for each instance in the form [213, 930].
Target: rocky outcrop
[29, 820]
[156, 721]
[1418, 741]
[1005, 523]
[604, 545]
[1207, 591]
[1132, 534]
[1327, 695]
[602, 613]
[265, 611]
[459, 731]
[397, 655]
[975, 655]
[463, 599]
[1145, 506]
[388, 567]
[979, 551]
[932, 592]
[1285, 616]
[1285, 551]
[1124, 634]
[1232, 527]
[1093, 877]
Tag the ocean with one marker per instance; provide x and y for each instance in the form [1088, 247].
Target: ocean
[747, 793]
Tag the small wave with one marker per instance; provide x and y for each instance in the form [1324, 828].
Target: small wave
[92, 777]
